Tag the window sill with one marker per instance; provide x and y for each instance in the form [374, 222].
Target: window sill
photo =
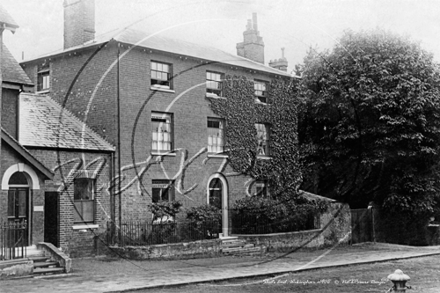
[257, 101]
[218, 156]
[260, 157]
[161, 89]
[169, 154]
[84, 226]
[43, 91]
[215, 96]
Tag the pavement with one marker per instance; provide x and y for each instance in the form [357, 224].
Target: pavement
[103, 274]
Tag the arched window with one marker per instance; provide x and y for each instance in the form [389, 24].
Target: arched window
[215, 193]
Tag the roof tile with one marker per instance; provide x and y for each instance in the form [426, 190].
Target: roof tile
[44, 123]
[11, 70]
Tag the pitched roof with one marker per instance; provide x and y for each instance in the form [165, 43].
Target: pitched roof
[44, 123]
[25, 154]
[6, 20]
[175, 46]
[11, 70]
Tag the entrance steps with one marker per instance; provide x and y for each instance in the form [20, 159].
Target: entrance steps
[236, 246]
[44, 264]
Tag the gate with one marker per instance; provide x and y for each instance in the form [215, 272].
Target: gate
[361, 226]
[13, 240]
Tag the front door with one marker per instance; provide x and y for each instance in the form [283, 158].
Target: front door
[51, 218]
[18, 215]
[218, 197]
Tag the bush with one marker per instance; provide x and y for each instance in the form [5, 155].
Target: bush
[164, 209]
[404, 228]
[263, 215]
[205, 219]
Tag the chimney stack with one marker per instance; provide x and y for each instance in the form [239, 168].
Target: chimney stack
[79, 22]
[252, 46]
[280, 64]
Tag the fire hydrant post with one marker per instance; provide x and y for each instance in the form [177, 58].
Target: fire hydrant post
[399, 280]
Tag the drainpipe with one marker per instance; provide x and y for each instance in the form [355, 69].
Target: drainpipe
[1, 80]
[112, 199]
[119, 144]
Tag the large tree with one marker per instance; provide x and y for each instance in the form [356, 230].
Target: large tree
[370, 124]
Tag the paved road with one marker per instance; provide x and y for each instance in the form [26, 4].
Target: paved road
[107, 275]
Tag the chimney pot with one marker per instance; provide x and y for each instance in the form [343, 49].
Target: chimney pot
[252, 46]
[254, 21]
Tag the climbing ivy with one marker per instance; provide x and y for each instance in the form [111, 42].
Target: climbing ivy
[241, 112]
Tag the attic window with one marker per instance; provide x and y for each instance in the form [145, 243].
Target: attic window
[43, 77]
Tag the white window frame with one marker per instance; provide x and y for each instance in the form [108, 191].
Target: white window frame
[216, 143]
[263, 139]
[260, 91]
[82, 201]
[162, 137]
[214, 78]
[157, 71]
[44, 75]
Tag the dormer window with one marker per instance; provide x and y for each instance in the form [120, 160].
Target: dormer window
[43, 78]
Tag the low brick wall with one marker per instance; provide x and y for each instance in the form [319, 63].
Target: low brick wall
[280, 242]
[16, 268]
[206, 248]
[336, 224]
[334, 228]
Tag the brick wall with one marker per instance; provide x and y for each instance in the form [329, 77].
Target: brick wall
[189, 108]
[36, 219]
[85, 86]
[77, 242]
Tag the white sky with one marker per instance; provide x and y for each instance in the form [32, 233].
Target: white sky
[293, 24]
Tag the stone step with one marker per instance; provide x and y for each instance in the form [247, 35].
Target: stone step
[46, 264]
[247, 250]
[39, 258]
[42, 271]
[236, 243]
[33, 251]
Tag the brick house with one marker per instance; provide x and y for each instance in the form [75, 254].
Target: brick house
[147, 95]
[53, 167]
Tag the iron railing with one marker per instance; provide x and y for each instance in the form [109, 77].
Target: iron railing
[137, 233]
[13, 240]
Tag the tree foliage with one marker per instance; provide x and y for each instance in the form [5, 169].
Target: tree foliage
[369, 127]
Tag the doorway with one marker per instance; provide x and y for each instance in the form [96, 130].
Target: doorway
[51, 219]
[18, 207]
[218, 197]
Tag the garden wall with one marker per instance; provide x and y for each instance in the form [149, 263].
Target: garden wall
[286, 241]
[204, 248]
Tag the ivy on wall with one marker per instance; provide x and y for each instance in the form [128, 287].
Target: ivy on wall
[240, 111]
